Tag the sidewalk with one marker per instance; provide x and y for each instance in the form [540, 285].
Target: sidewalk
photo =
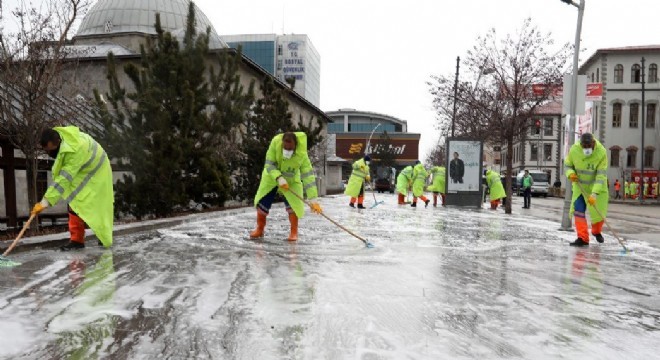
[54, 240]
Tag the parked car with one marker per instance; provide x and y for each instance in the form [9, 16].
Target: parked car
[541, 186]
[385, 180]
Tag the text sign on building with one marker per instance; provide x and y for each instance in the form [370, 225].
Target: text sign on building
[402, 149]
[294, 64]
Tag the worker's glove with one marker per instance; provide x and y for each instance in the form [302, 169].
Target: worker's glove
[368, 178]
[39, 207]
[316, 207]
[281, 182]
[592, 199]
[573, 177]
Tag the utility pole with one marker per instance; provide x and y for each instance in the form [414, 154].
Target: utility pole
[453, 117]
[641, 191]
[566, 219]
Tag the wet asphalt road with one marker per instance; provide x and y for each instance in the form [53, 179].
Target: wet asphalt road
[440, 284]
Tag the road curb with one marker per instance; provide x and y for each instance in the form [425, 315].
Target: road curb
[55, 240]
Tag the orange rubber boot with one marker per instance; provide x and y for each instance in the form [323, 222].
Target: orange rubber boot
[435, 200]
[293, 219]
[402, 199]
[443, 199]
[261, 224]
[77, 229]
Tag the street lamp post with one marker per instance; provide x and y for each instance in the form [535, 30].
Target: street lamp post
[566, 219]
[641, 192]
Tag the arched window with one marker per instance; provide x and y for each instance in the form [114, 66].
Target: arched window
[631, 159]
[616, 115]
[592, 77]
[649, 151]
[597, 75]
[634, 115]
[636, 74]
[653, 73]
[615, 153]
[618, 74]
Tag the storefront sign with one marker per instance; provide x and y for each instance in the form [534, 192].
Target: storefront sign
[402, 149]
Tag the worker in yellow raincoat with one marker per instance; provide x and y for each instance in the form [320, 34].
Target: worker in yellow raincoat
[495, 188]
[419, 183]
[586, 165]
[438, 186]
[287, 170]
[355, 186]
[82, 177]
[403, 183]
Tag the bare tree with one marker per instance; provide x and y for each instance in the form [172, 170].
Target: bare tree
[500, 107]
[33, 55]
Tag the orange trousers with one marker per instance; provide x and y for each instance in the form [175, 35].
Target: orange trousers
[360, 199]
[494, 204]
[76, 227]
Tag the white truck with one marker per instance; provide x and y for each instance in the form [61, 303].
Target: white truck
[541, 185]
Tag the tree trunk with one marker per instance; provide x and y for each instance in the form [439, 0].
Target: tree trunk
[32, 168]
[509, 172]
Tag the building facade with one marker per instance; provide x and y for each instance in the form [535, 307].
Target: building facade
[538, 147]
[288, 57]
[352, 129]
[617, 120]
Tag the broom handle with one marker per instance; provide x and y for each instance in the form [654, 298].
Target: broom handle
[329, 219]
[20, 235]
[604, 220]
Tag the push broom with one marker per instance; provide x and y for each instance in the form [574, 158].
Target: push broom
[4, 260]
[366, 243]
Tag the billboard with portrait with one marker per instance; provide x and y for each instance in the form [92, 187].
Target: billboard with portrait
[464, 166]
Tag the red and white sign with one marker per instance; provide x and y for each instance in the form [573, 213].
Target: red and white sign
[594, 91]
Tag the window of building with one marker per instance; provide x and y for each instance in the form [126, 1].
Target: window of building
[597, 75]
[648, 157]
[616, 115]
[650, 116]
[653, 73]
[631, 161]
[634, 115]
[614, 157]
[535, 130]
[618, 74]
[279, 64]
[636, 74]
[593, 77]
[547, 152]
[534, 152]
[547, 127]
[279, 49]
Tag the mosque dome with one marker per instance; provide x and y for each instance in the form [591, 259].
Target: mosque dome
[113, 17]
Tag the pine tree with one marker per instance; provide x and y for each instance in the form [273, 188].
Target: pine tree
[172, 127]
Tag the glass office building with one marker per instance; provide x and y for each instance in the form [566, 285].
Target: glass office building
[258, 48]
[286, 57]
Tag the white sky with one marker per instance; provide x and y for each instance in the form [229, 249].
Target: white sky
[378, 55]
